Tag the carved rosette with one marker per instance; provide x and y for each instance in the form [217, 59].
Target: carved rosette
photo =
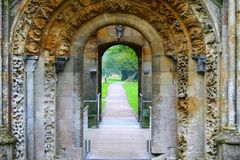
[18, 105]
[49, 110]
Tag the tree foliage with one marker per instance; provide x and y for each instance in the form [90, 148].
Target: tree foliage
[120, 59]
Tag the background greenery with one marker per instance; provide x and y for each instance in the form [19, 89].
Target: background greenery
[120, 64]
[121, 60]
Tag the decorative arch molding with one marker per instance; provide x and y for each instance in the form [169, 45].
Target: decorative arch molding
[125, 40]
[148, 32]
[212, 38]
[50, 25]
[173, 19]
[104, 46]
[207, 15]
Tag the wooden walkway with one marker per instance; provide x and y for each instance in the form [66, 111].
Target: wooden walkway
[119, 136]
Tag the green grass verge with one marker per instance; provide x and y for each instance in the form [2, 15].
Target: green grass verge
[131, 89]
[104, 94]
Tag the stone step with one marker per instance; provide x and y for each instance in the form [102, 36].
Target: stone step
[94, 157]
[114, 159]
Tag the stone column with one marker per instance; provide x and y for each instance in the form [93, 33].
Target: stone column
[238, 64]
[50, 110]
[78, 106]
[30, 65]
[231, 63]
[18, 127]
[228, 140]
[224, 65]
[1, 62]
[5, 100]
[6, 138]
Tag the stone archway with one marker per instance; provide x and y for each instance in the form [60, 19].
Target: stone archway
[92, 26]
[137, 48]
[50, 31]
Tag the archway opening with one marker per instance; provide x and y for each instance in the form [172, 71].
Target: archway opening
[120, 66]
[117, 78]
[169, 28]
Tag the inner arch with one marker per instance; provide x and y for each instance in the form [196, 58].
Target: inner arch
[154, 40]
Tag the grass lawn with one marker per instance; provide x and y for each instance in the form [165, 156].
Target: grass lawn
[104, 93]
[131, 89]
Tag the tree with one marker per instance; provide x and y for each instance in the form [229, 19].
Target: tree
[120, 59]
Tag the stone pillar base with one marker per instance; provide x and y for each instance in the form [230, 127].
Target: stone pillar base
[7, 141]
[229, 145]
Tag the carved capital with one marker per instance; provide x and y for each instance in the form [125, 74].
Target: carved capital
[228, 143]
[60, 63]
[228, 137]
[30, 63]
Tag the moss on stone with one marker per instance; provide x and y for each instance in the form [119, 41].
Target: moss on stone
[6, 137]
[228, 137]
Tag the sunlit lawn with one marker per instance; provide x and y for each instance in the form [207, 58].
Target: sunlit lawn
[131, 89]
[104, 93]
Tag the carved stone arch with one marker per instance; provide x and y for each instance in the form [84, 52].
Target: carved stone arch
[68, 35]
[126, 40]
[118, 18]
[156, 19]
[188, 35]
[104, 46]
[148, 32]
[205, 15]
[45, 10]
[211, 31]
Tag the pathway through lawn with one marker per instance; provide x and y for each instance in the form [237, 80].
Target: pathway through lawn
[119, 135]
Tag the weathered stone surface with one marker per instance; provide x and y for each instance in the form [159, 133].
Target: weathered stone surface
[185, 29]
[230, 152]
[6, 138]
[50, 111]
[194, 29]
[18, 127]
[229, 145]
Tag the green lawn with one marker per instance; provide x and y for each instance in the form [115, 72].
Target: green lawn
[104, 93]
[131, 89]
